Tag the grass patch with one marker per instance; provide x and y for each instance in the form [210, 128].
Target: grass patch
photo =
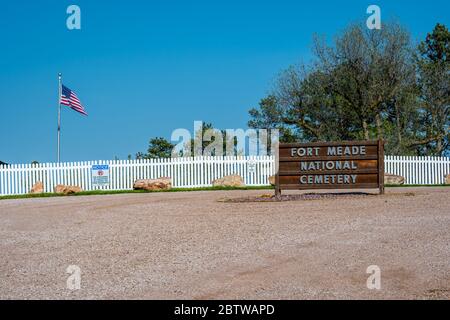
[106, 192]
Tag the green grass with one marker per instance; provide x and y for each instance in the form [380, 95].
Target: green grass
[104, 192]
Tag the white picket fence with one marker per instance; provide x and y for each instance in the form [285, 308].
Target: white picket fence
[185, 173]
[419, 170]
[189, 172]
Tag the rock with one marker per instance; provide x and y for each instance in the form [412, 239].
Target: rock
[393, 179]
[60, 188]
[447, 179]
[229, 181]
[272, 180]
[164, 183]
[38, 187]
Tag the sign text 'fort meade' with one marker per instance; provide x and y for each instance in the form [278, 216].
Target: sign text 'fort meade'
[333, 165]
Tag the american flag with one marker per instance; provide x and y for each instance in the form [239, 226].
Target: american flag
[70, 99]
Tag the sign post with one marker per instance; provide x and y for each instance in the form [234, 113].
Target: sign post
[277, 175]
[330, 165]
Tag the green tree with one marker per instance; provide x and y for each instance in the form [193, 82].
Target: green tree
[158, 148]
[358, 82]
[433, 69]
[270, 115]
[366, 85]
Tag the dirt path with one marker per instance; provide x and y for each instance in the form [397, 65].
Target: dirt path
[190, 245]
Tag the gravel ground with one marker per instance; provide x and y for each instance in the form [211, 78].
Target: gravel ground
[194, 245]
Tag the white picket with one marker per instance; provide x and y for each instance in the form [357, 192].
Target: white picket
[190, 172]
[419, 170]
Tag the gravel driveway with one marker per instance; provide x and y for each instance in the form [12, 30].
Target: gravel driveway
[191, 245]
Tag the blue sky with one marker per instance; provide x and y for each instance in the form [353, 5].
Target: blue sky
[145, 68]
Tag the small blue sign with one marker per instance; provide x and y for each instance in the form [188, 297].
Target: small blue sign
[100, 175]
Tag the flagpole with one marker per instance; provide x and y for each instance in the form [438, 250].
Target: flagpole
[59, 117]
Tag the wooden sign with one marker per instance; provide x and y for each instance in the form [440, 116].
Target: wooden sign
[330, 165]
